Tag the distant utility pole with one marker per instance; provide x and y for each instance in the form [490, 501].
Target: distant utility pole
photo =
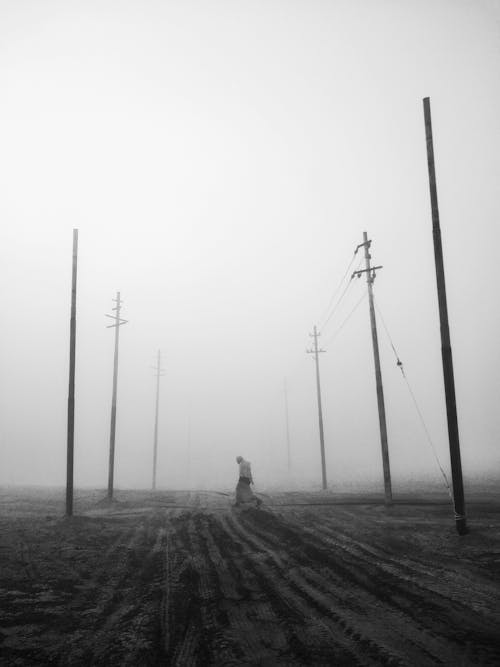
[118, 322]
[159, 373]
[370, 277]
[189, 448]
[71, 389]
[316, 352]
[287, 427]
[449, 381]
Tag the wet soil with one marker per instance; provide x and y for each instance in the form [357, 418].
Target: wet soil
[187, 579]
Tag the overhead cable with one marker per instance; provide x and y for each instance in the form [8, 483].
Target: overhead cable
[327, 309]
[339, 329]
[339, 301]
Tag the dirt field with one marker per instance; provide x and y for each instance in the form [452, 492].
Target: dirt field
[186, 579]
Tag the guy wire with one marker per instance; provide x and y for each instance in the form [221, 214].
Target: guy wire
[426, 430]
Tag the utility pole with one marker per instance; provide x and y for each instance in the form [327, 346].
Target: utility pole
[449, 382]
[71, 388]
[189, 448]
[370, 277]
[316, 352]
[159, 373]
[118, 322]
[287, 427]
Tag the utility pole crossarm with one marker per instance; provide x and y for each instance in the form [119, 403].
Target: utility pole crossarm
[361, 271]
[117, 323]
[365, 244]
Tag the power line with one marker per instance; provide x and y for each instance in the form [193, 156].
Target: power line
[338, 302]
[337, 331]
[336, 291]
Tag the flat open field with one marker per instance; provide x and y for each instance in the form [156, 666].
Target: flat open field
[183, 578]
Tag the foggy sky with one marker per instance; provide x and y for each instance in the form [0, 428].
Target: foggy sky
[221, 161]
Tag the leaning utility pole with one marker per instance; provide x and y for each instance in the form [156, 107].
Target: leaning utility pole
[287, 427]
[370, 277]
[449, 382]
[159, 373]
[320, 411]
[118, 322]
[71, 389]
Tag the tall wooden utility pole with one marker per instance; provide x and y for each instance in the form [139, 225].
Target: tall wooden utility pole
[71, 388]
[287, 427]
[449, 382]
[118, 322]
[370, 277]
[320, 411]
[159, 373]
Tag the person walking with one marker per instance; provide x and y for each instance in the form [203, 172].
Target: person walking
[244, 493]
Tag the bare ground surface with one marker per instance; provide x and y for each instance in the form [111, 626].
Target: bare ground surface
[183, 578]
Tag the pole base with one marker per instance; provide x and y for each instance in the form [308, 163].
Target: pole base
[461, 525]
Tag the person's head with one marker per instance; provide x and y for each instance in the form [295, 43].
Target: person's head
[239, 459]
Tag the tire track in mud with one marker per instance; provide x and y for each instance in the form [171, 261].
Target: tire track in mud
[67, 594]
[215, 615]
[417, 570]
[294, 600]
[246, 612]
[179, 580]
[327, 594]
[117, 612]
[310, 636]
[363, 585]
[444, 591]
[207, 586]
[196, 587]
[213, 645]
[426, 622]
[255, 588]
[130, 633]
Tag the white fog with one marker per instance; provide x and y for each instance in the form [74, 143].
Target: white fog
[221, 161]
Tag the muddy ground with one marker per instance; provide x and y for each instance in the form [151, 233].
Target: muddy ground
[186, 579]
